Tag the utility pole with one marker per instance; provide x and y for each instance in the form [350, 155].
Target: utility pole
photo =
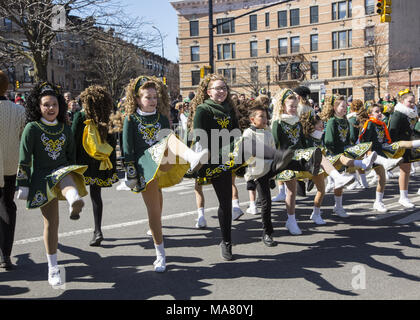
[211, 44]
[212, 26]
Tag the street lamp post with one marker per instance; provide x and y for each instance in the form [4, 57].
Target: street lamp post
[410, 70]
[161, 39]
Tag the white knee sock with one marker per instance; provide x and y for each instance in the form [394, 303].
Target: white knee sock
[363, 179]
[338, 201]
[379, 196]
[200, 212]
[235, 203]
[416, 144]
[403, 194]
[317, 211]
[291, 217]
[282, 189]
[160, 250]
[52, 260]
[72, 195]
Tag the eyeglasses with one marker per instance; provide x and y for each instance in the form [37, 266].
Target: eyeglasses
[219, 88]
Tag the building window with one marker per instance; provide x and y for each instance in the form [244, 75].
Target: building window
[226, 51]
[294, 17]
[268, 73]
[194, 29]
[341, 10]
[225, 27]
[253, 49]
[267, 46]
[195, 77]
[369, 7]
[342, 68]
[295, 70]
[7, 24]
[347, 92]
[314, 42]
[254, 74]
[294, 44]
[313, 14]
[342, 39]
[282, 72]
[252, 22]
[267, 19]
[369, 65]
[369, 36]
[229, 74]
[314, 70]
[369, 93]
[282, 19]
[195, 53]
[283, 46]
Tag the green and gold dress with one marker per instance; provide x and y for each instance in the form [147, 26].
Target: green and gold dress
[93, 176]
[47, 155]
[288, 134]
[145, 140]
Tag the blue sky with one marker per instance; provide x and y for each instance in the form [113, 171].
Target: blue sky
[163, 16]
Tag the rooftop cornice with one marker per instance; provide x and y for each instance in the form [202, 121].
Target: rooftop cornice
[189, 7]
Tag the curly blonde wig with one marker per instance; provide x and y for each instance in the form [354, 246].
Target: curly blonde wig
[202, 95]
[308, 121]
[330, 103]
[131, 93]
[278, 102]
[356, 105]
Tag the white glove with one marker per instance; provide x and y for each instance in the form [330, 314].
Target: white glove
[23, 193]
[131, 183]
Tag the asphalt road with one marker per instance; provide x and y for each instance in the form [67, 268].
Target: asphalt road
[366, 256]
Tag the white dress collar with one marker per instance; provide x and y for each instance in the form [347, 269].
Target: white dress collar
[49, 123]
[142, 113]
[289, 119]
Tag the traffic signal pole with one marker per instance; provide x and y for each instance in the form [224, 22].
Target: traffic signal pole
[212, 26]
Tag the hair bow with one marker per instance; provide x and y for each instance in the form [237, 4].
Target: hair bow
[403, 92]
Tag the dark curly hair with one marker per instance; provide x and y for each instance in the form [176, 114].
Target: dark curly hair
[246, 109]
[32, 108]
[98, 106]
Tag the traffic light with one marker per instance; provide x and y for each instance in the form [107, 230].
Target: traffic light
[17, 84]
[384, 10]
[204, 71]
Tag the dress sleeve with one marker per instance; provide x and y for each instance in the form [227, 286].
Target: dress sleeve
[128, 146]
[77, 130]
[70, 146]
[276, 134]
[330, 133]
[26, 150]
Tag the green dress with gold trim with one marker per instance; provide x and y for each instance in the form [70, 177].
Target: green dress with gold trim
[217, 117]
[289, 135]
[145, 140]
[47, 155]
[93, 176]
[337, 139]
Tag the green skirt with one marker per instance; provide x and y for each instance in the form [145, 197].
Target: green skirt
[44, 188]
[299, 154]
[150, 167]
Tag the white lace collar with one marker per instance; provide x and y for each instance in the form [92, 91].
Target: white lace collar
[292, 120]
[142, 113]
[411, 113]
[49, 123]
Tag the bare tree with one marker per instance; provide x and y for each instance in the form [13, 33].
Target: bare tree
[39, 22]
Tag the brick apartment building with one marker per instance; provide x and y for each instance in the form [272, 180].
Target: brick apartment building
[336, 46]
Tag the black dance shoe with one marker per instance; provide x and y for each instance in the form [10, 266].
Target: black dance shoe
[96, 240]
[226, 250]
[7, 264]
[267, 239]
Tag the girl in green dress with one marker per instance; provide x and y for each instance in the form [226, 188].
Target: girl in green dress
[101, 172]
[154, 157]
[288, 134]
[375, 130]
[47, 171]
[401, 128]
[337, 142]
